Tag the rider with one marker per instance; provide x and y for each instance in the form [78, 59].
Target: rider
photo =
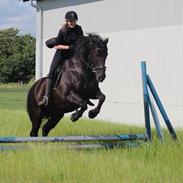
[64, 44]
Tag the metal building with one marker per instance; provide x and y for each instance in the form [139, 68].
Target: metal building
[150, 30]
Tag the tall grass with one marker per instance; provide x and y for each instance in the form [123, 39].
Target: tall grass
[49, 163]
[44, 163]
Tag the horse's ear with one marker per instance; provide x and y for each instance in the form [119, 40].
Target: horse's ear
[106, 40]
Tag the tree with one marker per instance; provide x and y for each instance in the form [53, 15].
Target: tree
[17, 56]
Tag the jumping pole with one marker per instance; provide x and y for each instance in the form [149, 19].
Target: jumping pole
[156, 120]
[123, 137]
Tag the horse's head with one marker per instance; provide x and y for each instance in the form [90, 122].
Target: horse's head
[97, 55]
[94, 51]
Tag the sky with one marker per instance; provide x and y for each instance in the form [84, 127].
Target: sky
[16, 14]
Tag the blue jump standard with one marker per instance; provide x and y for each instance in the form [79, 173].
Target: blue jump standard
[147, 84]
[146, 100]
[124, 137]
[161, 108]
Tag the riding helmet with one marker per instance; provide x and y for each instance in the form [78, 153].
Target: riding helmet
[71, 15]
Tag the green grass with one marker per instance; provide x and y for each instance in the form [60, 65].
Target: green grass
[13, 98]
[49, 163]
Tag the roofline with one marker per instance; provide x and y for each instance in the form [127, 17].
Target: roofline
[28, 0]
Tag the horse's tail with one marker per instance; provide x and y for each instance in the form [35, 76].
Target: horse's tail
[31, 100]
[33, 96]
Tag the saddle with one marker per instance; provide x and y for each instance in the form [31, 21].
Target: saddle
[57, 76]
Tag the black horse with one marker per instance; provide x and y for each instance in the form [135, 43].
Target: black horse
[80, 77]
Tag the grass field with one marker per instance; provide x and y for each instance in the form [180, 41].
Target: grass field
[13, 96]
[49, 163]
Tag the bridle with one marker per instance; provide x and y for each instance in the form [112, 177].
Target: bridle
[90, 65]
[95, 69]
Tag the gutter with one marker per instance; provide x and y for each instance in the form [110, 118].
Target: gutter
[39, 41]
[35, 6]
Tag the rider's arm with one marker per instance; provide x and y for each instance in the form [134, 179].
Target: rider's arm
[80, 31]
[60, 39]
[61, 47]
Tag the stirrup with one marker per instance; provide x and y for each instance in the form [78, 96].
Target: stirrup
[44, 101]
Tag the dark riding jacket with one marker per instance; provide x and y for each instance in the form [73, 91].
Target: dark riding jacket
[68, 36]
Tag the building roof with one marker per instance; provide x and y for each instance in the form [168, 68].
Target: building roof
[26, 0]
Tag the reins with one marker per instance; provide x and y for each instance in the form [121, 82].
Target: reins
[93, 68]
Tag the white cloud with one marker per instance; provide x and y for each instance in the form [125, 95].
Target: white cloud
[18, 19]
[15, 13]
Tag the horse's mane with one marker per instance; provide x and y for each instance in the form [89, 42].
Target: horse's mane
[92, 38]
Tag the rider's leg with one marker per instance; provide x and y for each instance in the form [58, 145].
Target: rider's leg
[57, 61]
[49, 83]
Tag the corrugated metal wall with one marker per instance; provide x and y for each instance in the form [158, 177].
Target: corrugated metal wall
[137, 30]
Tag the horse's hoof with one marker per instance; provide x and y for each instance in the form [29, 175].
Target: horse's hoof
[92, 114]
[74, 117]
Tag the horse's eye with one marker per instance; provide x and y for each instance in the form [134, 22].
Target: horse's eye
[98, 50]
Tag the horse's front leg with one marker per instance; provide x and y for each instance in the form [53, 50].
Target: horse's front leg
[74, 98]
[93, 113]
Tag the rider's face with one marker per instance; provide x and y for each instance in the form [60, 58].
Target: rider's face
[71, 23]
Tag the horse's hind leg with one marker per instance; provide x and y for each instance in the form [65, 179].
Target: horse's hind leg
[51, 123]
[36, 122]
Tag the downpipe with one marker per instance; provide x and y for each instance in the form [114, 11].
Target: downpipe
[39, 40]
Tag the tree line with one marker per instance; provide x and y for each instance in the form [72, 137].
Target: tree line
[17, 56]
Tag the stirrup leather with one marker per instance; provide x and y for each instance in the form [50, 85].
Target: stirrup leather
[44, 101]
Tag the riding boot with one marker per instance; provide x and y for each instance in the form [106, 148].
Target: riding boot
[44, 101]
